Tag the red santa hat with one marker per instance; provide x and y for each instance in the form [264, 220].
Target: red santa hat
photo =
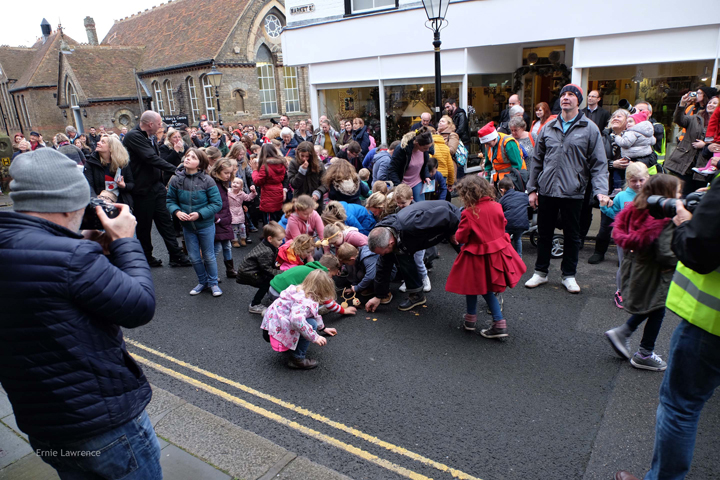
[487, 133]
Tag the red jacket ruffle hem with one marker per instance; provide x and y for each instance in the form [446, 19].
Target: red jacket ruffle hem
[487, 261]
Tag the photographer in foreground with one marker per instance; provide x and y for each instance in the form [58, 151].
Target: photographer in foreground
[71, 382]
[692, 374]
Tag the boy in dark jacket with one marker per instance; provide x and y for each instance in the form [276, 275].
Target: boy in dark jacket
[514, 205]
[259, 268]
[440, 192]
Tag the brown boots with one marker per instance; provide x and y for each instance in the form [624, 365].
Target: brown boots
[230, 269]
[235, 244]
[241, 243]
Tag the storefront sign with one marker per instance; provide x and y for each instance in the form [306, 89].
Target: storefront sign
[175, 121]
[302, 9]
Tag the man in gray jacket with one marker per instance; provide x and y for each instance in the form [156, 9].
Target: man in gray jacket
[569, 154]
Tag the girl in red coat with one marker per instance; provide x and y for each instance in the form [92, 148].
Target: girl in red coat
[487, 262]
[271, 177]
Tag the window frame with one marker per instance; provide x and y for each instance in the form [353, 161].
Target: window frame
[157, 97]
[210, 109]
[25, 113]
[271, 90]
[70, 94]
[192, 95]
[170, 96]
[350, 13]
[294, 90]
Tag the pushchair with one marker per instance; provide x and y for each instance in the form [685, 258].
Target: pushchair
[558, 240]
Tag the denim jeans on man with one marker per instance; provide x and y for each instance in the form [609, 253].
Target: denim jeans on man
[130, 451]
[692, 376]
[304, 343]
[548, 210]
[201, 250]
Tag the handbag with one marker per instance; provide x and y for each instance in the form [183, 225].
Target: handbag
[461, 154]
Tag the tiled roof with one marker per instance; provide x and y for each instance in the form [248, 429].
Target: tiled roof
[104, 71]
[14, 60]
[179, 32]
[43, 67]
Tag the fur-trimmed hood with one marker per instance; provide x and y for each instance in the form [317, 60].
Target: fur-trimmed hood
[635, 229]
[348, 187]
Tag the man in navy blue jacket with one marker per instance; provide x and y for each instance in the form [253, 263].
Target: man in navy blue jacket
[75, 390]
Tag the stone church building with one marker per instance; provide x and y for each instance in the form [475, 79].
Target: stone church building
[156, 59]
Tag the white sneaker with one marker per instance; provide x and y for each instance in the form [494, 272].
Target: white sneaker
[536, 280]
[426, 284]
[403, 288]
[571, 285]
[256, 309]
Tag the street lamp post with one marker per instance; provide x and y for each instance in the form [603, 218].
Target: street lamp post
[215, 78]
[436, 11]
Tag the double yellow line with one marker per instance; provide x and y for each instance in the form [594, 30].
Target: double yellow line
[365, 455]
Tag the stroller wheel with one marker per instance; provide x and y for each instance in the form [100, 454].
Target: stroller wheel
[558, 246]
[533, 238]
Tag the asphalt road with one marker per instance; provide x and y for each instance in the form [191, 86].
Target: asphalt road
[551, 401]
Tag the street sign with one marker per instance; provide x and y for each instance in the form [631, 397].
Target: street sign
[175, 121]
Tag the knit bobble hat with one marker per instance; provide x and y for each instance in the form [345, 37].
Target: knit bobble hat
[639, 117]
[46, 181]
[709, 92]
[487, 133]
[575, 90]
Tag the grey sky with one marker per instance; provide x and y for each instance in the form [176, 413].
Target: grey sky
[24, 28]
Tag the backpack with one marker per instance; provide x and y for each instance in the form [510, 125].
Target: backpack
[461, 154]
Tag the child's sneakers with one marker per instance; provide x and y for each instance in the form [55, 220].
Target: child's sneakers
[619, 341]
[708, 169]
[469, 322]
[618, 300]
[426, 284]
[498, 330]
[651, 362]
[256, 309]
[216, 292]
[198, 289]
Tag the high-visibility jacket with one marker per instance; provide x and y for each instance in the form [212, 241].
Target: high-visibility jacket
[551, 117]
[696, 297]
[500, 159]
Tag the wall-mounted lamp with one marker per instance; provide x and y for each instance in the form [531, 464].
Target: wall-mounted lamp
[706, 74]
[65, 113]
[84, 112]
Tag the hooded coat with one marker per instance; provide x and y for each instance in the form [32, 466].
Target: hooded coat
[196, 192]
[349, 190]
[648, 263]
[223, 218]
[271, 178]
[304, 181]
[289, 149]
[637, 141]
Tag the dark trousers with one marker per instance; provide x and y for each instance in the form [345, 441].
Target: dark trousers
[407, 271]
[149, 208]
[260, 294]
[652, 328]
[602, 241]
[548, 209]
[586, 215]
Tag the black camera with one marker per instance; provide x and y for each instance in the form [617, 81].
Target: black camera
[91, 221]
[663, 207]
[624, 104]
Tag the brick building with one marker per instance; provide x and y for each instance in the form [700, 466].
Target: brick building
[160, 58]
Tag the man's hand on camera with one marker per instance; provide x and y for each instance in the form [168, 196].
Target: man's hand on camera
[122, 226]
[682, 214]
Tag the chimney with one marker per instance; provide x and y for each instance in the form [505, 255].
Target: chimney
[46, 29]
[90, 29]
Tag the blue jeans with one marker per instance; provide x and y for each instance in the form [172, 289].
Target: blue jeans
[225, 247]
[692, 376]
[418, 196]
[516, 238]
[204, 263]
[130, 451]
[491, 302]
[304, 343]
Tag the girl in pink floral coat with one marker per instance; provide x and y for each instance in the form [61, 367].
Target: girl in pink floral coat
[292, 321]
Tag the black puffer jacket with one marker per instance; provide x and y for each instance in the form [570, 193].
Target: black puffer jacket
[400, 161]
[258, 267]
[63, 361]
[95, 174]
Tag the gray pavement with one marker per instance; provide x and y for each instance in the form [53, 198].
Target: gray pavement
[195, 445]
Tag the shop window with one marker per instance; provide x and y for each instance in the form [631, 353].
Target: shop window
[157, 98]
[487, 98]
[170, 96]
[405, 103]
[660, 84]
[192, 93]
[209, 99]
[268, 96]
[292, 92]
[343, 104]
[353, 7]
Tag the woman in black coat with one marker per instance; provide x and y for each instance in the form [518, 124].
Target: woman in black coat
[306, 172]
[414, 145]
[361, 135]
[101, 170]
[172, 151]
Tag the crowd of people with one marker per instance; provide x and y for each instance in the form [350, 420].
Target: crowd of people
[339, 214]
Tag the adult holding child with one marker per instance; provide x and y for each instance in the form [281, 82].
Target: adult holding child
[409, 161]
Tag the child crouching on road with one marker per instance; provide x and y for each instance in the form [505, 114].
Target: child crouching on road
[259, 267]
[487, 263]
[647, 269]
[297, 251]
[292, 321]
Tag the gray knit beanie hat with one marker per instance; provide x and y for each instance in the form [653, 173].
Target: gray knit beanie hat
[46, 181]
